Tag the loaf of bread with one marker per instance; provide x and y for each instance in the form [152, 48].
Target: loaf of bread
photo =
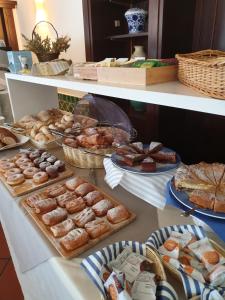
[74, 239]
[117, 214]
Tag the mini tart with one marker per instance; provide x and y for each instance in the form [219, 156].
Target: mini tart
[15, 179]
[40, 177]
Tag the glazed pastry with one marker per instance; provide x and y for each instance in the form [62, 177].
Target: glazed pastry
[33, 199]
[73, 183]
[35, 154]
[74, 239]
[26, 165]
[93, 197]
[75, 205]
[22, 160]
[46, 155]
[15, 179]
[19, 155]
[100, 209]
[38, 161]
[52, 159]
[44, 165]
[83, 189]
[45, 205]
[60, 165]
[52, 171]
[55, 216]
[64, 198]
[40, 177]
[84, 217]
[96, 228]
[29, 172]
[56, 191]
[148, 165]
[118, 214]
[12, 172]
[5, 166]
[62, 228]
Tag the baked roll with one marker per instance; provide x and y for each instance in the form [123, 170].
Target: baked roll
[93, 197]
[54, 217]
[84, 189]
[57, 191]
[75, 205]
[64, 198]
[100, 209]
[62, 228]
[45, 205]
[84, 217]
[74, 239]
[33, 199]
[96, 228]
[118, 214]
[73, 183]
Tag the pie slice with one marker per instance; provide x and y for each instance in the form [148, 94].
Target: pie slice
[218, 172]
[202, 171]
[219, 205]
[203, 198]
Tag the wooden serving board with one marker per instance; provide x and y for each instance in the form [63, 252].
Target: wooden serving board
[91, 243]
[29, 186]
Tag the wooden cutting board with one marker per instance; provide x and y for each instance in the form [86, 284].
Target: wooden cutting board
[91, 243]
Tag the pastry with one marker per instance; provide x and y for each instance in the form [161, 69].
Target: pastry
[29, 172]
[56, 191]
[26, 165]
[52, 159]
[118, 214]
[40, 177]
[219, 203]
[164, 157]
[7, 165]
[138, 146]
[100, 209]
[132, 159]
[148, 165]
[202, 198]
[154, 147]
[19, 155]
[74, 239]
[15, 179]
[93, 197]
[83, 189]
[62, 228]
[22, 160]
[12, 172]
[38, 161]
[44, 165]
[64, 198]
[52, 171]
[60, 165]
[54, 217]
[75, 205]
[218, 172]
[73, 183]
[45, 205]
[7, 137]
[96, 228]
[34, 154]
[46, 155]
[124, 149]
[33, 199]
[84, 217]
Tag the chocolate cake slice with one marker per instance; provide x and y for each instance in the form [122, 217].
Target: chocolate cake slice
[164, 157]
[132, 159]
[148, 165]
[155, 147]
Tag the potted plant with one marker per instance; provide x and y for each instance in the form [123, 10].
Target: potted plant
[46, 49]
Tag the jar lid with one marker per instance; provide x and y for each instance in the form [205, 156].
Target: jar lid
[135, 10]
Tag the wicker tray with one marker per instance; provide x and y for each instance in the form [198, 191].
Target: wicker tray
[204, 71]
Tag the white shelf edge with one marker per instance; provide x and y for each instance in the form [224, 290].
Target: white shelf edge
[172, 94]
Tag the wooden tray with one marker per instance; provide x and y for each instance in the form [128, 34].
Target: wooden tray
[92, 242]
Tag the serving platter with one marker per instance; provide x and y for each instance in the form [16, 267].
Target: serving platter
[183, 198]
[92, 242]
[160, 167]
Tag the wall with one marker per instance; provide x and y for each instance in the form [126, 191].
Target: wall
[67, 17]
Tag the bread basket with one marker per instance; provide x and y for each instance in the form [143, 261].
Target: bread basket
[204, 71]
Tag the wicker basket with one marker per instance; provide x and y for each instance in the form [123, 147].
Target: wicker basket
[204, 71]
[157, 266]
[78, 158]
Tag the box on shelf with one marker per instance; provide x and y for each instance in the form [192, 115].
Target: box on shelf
[137, 76]
[86, 72]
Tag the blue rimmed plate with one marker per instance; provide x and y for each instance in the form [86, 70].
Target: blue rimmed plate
[183, 198]
[160, 167]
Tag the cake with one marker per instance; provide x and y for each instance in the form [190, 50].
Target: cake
[148, 165]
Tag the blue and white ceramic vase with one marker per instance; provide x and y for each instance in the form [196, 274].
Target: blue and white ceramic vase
[136, 19]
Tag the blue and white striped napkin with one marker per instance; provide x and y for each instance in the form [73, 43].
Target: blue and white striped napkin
[192, 287]
[150, 188]
[94, 263]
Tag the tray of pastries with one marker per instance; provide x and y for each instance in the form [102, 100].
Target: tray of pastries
[145, 159]
[30, 170]
[202, 186]
[38, 127]
[9, 139]
[76, 215]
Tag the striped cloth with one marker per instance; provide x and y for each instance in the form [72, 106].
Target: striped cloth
[150, 188]
[192, 287]
[94, 263]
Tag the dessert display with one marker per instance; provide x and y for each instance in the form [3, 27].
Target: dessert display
[75, 215]
[204, 185]
[147, 159]
[196, 257]
[30, 170]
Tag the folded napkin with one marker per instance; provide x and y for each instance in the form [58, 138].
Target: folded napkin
[217, 225]
[150, 188]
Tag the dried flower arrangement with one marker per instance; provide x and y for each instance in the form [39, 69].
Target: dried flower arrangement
[46, 49]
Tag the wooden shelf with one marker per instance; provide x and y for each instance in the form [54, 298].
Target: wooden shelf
[128, 35]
